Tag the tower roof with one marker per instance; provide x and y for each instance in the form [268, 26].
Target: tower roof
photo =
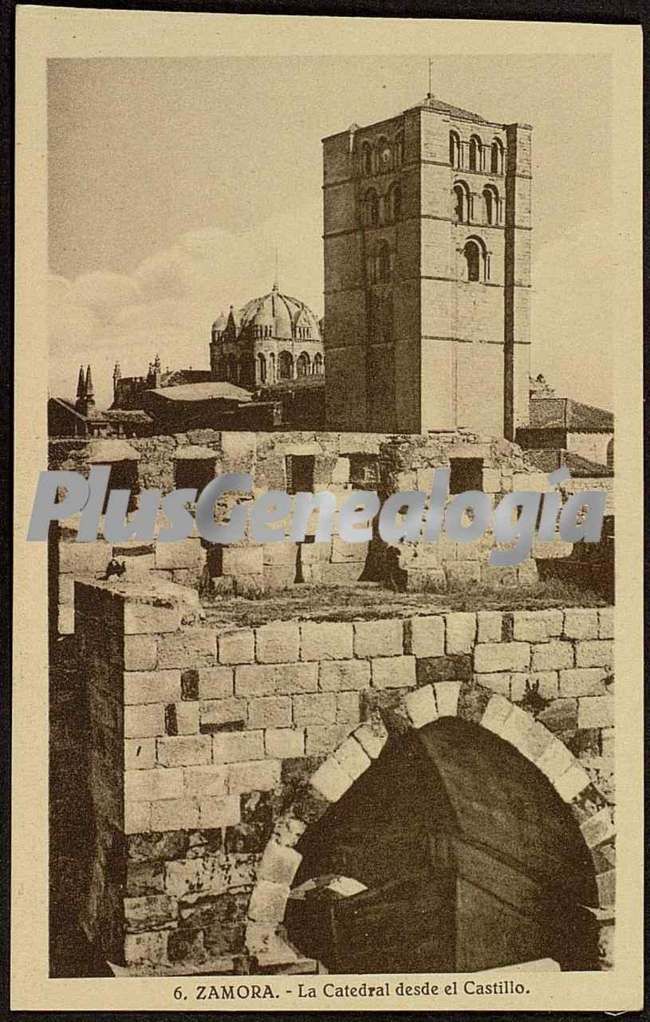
[432, 103]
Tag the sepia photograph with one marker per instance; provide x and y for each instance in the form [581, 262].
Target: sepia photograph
[355, 724]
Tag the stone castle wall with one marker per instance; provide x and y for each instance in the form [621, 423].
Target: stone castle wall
[340, 463]
[213, 749]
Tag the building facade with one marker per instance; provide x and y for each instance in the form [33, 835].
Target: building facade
[272, 339]
[427, 232]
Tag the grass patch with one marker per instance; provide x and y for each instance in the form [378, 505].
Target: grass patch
[367, 600]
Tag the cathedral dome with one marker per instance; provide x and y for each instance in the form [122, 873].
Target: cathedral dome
[285, 318]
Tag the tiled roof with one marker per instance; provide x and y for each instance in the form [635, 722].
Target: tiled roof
[565, 413]
[580, 468]
[431, 103]
[203, 392]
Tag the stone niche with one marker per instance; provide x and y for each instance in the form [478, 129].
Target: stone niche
[212, 752]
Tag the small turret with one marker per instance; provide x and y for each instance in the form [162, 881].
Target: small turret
[157, 372]
[81, 385]
[89, 398]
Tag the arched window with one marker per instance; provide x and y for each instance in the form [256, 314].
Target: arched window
[473, 254]
[261, 361]
[387, 320]
[454, 149]
[285, 366]
[385, 261]
[232, 368]
[475, 153]
[496, 157]
[371, 268]
[303, 364]
[394, 203]
[371, 208]
[463, 202]
[398, 149]
[385, 155]
[491, 204]
[271, 368]
[366, 158]
[318, 363]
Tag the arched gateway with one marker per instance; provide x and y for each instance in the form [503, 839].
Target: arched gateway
[470, 832]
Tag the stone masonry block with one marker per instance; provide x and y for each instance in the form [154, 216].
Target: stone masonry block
[257, 775]
[150, 911]
[337, 675]
[84, 558]
[275, 679]
[378, 638]
[215, 682]
[205, 780]
[277, 642]
[596, 711]
[581, 623]
[606, 883]
[488, 626]
[352, 758]
[193, 876]
[242, 560]
[490, 658]
[447, 693]
[393, 672]
[184, 750]
[137, 817]
[461, 632]
[183, 718]
[148, 947]
[598, 828]
[140, 652]
[219, 714]
[284, 742]
[174, 814]
[237, 746]
[552, 656]
[555, 759]
[314, 708]
[215, 812]
[268, 902]
[146, 721]
[348, 708]
[187, 553]
[425, 636]
[151, 785]
[372, 736]
[421, 706]
[606, 623]
[516, 726]
[583, 681]
[330, 780]
[533, 743]
[279, 863]
[271, 711]
[598, 653]
[497, 683]
[569, 784]
[536, 625]
[145, 618]
[193, 647]
[326, 640]
[496, 713]
[152, 686]
[321, 739]
[237, 647]
[139, 753]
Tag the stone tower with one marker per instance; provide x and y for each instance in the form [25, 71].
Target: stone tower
[427, 231]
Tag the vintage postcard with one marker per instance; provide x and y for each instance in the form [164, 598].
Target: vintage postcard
[328, 399]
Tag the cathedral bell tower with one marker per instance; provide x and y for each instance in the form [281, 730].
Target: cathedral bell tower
[427, 230]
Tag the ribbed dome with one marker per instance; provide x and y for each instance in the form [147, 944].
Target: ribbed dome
[284, 314]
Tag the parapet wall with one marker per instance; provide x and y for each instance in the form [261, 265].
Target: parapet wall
[213, 749]
[335, 462]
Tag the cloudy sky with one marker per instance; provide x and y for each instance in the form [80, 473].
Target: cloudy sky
[172, 182]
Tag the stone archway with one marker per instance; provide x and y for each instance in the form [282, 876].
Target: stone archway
[333, 778]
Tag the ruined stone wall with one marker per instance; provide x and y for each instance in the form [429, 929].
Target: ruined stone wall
[214, 748]
[341, 463]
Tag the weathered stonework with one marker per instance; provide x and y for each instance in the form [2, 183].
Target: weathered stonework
[200, 795]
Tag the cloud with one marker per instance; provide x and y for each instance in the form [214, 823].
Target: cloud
[168, 303]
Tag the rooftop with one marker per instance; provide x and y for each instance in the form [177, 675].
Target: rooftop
[212, 391]
[565, 413]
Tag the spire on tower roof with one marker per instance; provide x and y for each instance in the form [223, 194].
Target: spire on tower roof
[90, 392]
[81, 383]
